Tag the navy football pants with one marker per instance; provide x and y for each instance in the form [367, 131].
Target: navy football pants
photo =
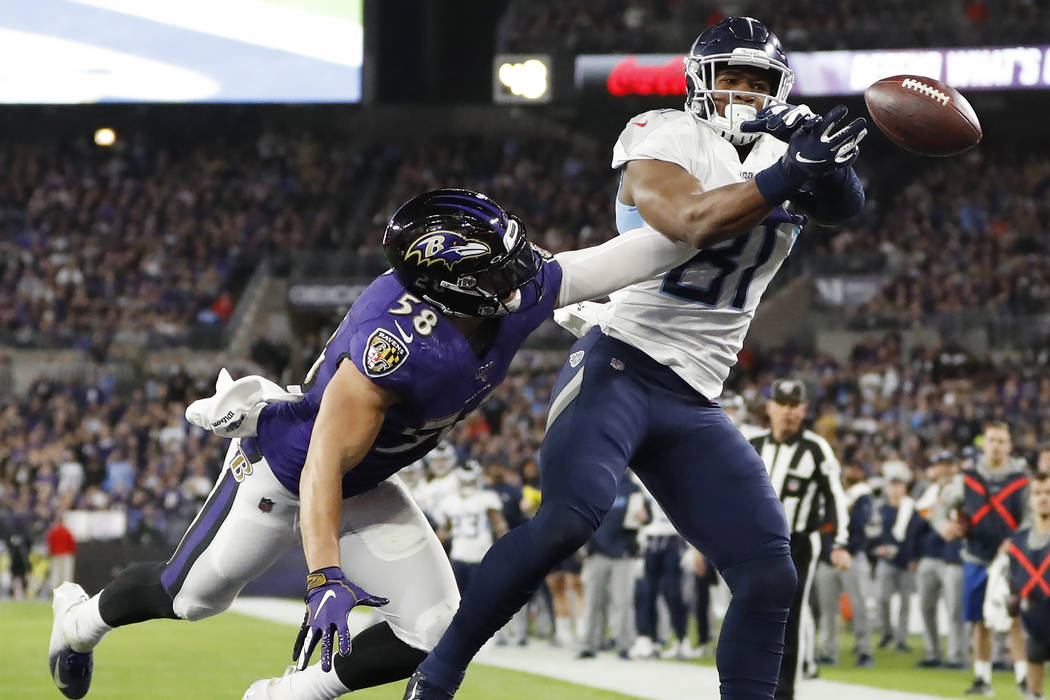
[662, 576]
[618, 407]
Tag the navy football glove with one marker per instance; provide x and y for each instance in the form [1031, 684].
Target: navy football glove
[815, 149]
[329, 599]
[779, 120]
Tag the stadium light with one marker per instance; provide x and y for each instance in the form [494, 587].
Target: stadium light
[521, 78]
[105, 137]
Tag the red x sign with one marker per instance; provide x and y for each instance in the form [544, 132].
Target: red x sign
[1035, 575]
[995, 501]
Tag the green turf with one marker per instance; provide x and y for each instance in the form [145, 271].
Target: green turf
[215, 658]
[896, 671]
[341, 9]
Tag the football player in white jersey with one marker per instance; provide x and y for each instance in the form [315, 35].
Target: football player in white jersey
[473, 518]
[731, 175]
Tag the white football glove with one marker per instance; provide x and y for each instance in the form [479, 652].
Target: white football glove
[578, 318]
[234, 409]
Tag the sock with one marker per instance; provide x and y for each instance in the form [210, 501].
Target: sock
[83, 626]
[313, 684]
[563, 630]
[377, 656]
[1021, 671]
[983, 670]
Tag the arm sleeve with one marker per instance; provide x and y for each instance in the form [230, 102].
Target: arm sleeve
[633, 257]
[834, 496]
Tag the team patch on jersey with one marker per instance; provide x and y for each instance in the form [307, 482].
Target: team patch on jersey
[383, 354]
[446, 248]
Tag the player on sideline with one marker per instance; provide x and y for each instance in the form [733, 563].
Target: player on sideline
[422, 347]
[639, 388]
[1029, 552]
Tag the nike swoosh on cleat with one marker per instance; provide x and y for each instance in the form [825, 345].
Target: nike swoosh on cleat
[324, 599]
[58, 681]
[640, 123]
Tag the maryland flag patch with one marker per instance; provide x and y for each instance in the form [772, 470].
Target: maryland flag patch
[383, 353]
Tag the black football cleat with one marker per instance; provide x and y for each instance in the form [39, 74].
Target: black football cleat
[70, 670]
[979, 687]
[419, 688]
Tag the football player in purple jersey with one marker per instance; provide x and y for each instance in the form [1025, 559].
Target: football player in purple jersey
[425, 344]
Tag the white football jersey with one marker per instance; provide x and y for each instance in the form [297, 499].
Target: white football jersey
[694, 318]
[471, 529]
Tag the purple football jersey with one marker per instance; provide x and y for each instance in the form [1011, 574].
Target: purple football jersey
[402, 344]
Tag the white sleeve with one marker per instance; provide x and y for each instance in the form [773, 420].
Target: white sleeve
[658, 135]
[629, 258]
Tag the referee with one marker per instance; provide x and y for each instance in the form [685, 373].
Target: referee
[806, 477]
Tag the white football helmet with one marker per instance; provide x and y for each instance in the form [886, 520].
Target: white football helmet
[442, 459]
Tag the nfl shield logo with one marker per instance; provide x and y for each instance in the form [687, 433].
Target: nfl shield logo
[265, 505]
[575, 359]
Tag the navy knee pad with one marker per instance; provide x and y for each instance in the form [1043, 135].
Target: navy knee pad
[767, 582]
[559, 530]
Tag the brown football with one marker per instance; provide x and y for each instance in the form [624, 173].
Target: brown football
[923, 115]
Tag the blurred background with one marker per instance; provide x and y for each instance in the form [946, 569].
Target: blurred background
[186, 186]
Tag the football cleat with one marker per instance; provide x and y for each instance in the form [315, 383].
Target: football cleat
[979, 687]
[270, 688]
[419, 688]
[71, 670]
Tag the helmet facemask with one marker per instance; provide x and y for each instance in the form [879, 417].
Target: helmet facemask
[700, 73]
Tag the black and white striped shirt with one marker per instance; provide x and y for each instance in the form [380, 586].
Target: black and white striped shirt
[807, 478]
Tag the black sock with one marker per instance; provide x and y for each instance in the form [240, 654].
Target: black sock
[136, 595]
[376, 657]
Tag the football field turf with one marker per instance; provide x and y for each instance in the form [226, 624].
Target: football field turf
[896, 671]
[214, 658]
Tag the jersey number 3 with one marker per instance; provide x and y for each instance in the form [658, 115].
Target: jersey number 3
[724, 261]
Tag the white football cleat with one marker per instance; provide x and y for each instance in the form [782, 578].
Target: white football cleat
[271, 688]
[71, 670]
[643, 648]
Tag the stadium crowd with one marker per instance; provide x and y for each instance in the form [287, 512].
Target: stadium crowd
[923, 236]
[158, 249]
[139, 244]
[669, 26]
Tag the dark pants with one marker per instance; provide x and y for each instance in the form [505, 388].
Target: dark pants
[662, 577]
[619, 407]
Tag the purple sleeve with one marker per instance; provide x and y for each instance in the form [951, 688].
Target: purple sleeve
[379, 351]
[551, 283]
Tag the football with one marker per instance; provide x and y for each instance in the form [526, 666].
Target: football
[923, 115]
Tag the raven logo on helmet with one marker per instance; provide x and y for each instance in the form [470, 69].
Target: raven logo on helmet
[445, 248]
